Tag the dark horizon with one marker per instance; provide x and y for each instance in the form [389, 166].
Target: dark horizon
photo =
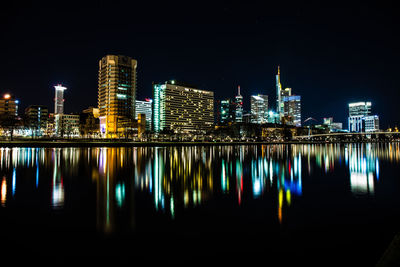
[330, 55]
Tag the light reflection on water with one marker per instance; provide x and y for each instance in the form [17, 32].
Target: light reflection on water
[180, 178]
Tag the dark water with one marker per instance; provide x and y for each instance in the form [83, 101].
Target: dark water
[273, 204]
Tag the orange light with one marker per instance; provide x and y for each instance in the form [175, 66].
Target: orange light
[7, 96]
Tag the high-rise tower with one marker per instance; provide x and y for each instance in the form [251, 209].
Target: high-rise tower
[117, 94]
[239, 107]
[59, 99]
[278, 93]
[259, 108]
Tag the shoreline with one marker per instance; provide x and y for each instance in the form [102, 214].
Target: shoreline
[119, 143]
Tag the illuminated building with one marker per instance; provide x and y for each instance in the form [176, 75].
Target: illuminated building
[259, 108]
[278, 93]
[8, 105]
[181, 108]
[371, 123]
[59, 99]
[227, 111]
[36, 117]
[67, 125]
[239, 107]
[360, 119]
[292, 109]
[288, 106]
[117, 94]
[359, 109]
[144, 107]
[89, 124]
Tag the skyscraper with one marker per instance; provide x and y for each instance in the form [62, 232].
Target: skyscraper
[239, 107]
[59, 99]
[227, 111]
[259, 108]
[181, 108]
[117, 94]
[278, 92]
[292, 110]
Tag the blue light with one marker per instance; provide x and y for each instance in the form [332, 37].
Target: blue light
[14, 181]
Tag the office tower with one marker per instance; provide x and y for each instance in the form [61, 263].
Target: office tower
[278, 92]
[117, 94]
[36, 117]
[8, 106]
[181, 108]
[292, 110]
[360, 119]
[239, 107]
[259, 108]
[144, 107]
[59, 99]
[227, 111]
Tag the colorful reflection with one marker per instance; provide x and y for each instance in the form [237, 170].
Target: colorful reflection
[176, 179]
[3, 191]
[363, 165]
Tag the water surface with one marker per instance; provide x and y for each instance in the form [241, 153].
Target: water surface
[312, 204]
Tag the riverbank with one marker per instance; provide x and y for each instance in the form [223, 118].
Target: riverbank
[123, 143]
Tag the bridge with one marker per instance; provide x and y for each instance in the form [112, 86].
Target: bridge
[349, 136]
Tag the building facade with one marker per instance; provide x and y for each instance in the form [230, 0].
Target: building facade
[89, 124]
[36, 117]
[59, 99]
[239, 107]
[360, 109]
[371, 123]
[67, 125]
[227, 111]
[259, 108]
[181, 108]
[8, 105]
[117, 94]
[278, 93]
[145, 107]
[360, 118]
[292, 110]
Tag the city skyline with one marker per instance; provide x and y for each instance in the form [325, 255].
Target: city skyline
[349, 52]
[284, 93]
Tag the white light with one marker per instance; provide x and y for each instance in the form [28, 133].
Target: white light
[60, 87]
[359, 104]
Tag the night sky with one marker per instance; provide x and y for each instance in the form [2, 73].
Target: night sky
[329, 54]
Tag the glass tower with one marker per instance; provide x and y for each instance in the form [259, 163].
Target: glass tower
[59, 99]
[259, 108]
[239, 107]
[117, 94]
